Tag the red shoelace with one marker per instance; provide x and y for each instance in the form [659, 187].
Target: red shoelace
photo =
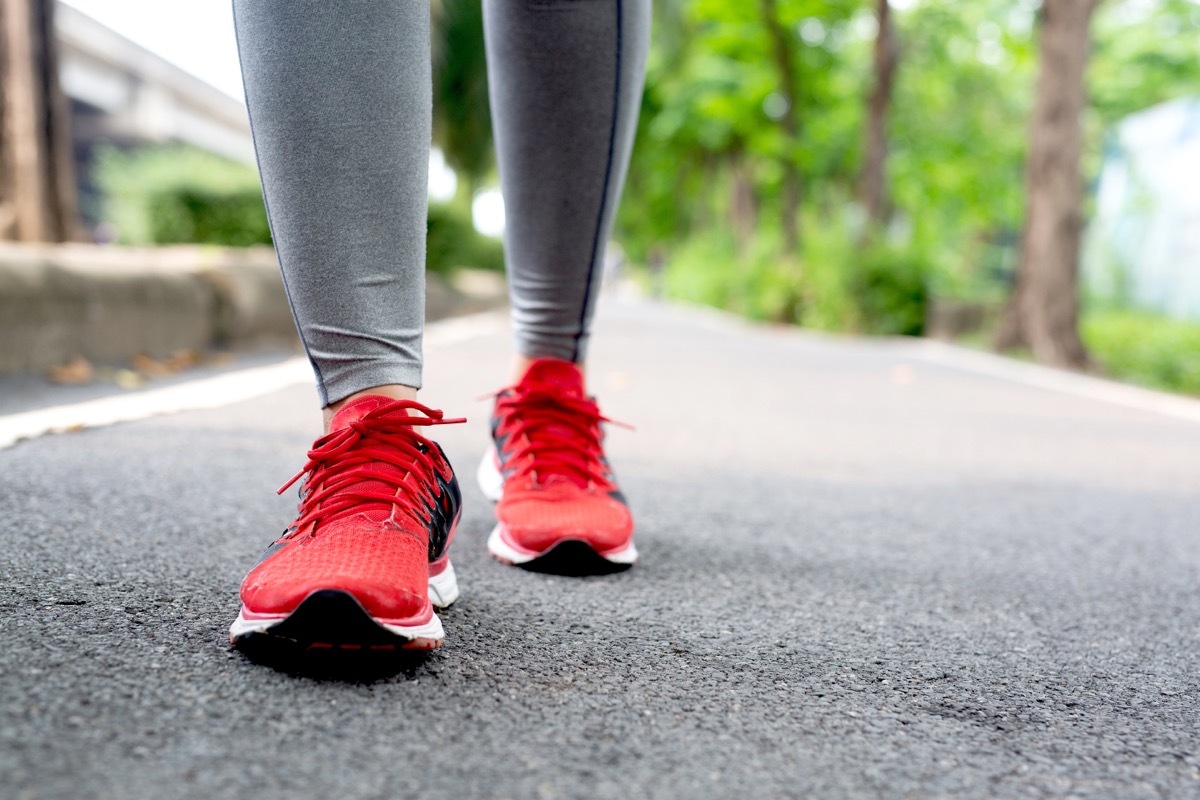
[554, 435]
[343, 467]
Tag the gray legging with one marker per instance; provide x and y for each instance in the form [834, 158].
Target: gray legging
[339, 95]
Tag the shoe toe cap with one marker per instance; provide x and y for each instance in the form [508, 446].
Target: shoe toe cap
[537, 523]
[387, 573]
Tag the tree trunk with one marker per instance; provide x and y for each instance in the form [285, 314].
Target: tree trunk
[37, 180]
[1043, 311]
[742, 207]
[782, 51]
[874, 175]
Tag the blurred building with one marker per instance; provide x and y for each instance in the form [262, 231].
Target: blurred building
[1143, 246]
[123, 95]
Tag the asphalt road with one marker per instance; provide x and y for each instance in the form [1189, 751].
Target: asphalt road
[863, 575]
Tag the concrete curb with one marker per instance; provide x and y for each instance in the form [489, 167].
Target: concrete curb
[107, 304]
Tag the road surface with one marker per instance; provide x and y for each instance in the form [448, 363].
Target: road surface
[866, 572]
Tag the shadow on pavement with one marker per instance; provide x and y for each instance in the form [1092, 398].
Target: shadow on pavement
[340, 666]
[573, 560]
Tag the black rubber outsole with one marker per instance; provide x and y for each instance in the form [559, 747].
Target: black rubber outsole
[573, 559]
[328, 620]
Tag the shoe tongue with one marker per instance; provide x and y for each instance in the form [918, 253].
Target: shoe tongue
[564, 380]
[356, 409]
[348, 414]
[560, 377]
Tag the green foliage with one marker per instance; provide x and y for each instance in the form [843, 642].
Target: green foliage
[959, 121]
[1145, 348]
[836, 285]
[709, 270]
[462, 123]
[827, 301]
[890, 290]
[711, 112]
[203, 216]
[180, 194]
[1145, 53]
[453, 242]
[958, 133]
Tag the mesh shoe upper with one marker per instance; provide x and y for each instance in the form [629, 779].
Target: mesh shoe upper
[549, 448]
[379, 504]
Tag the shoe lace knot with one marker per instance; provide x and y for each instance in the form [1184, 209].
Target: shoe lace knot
[377, 465]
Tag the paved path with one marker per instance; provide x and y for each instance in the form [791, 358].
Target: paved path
[864, 575]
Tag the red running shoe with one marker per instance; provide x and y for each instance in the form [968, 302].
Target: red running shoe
[558, 505]
[368, 552]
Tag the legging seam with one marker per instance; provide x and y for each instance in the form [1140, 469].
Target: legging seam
[608, 165]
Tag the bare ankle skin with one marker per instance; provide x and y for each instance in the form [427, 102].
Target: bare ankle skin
[392, 390]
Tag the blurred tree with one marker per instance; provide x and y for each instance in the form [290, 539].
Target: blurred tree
[874, 176]
[956, 136]
[462, 124]
[1042, 313]
[782, 46]
[727, 87]
[1145, 52]
[707, 188]
[37, 183]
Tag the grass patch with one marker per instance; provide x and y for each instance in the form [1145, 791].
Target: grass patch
[1145, 348]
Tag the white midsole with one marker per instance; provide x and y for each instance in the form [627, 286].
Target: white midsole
[429, 630]
[502, 550]
[491, 482]
[443, 588]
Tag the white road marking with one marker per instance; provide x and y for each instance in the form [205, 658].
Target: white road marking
[214, 392]
[220, 390]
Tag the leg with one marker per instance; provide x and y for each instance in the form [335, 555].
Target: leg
[340, 105]
[339, 96]
[565, 79]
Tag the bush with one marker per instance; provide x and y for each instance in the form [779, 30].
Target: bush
[186, 214]
[453, 242]
[1145, 348]
[169, 195]
[176, 195]
[889, 290]
[836, 285]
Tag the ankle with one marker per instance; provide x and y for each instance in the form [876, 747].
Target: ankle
[393, 390]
